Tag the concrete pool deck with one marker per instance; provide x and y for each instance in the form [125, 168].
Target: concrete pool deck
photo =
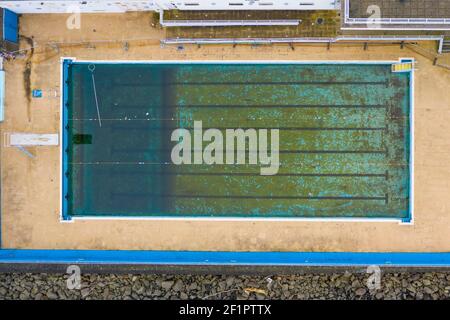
[31, 187]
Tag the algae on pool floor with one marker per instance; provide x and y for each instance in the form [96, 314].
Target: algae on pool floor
[344, 140]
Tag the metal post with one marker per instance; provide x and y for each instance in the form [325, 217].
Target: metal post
[441, 45]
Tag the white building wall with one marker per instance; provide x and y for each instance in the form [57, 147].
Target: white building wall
[92, 6]
[66, 6]
[257, 4]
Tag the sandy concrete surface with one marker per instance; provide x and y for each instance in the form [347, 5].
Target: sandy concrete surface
[31, 187]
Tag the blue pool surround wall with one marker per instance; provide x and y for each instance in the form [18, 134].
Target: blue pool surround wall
[207, 258]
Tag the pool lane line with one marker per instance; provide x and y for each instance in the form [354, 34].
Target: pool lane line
[344, 106]
[204, 196]
[163, 163]
[118, 126]
[335, 151]
[249, 174]
[305, 106]
[143, 150]
[293, 128]
[257, 174]
[257, 83]
[229, 127]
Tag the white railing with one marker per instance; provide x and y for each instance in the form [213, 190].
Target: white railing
[337, 4]
[303, 40]
[244, 40]
[288, 40]
[225, 23]
[346, 10]
[393, 37]
[398, 20]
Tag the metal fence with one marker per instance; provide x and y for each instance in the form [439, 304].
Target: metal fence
[228, 23]
[440, 39]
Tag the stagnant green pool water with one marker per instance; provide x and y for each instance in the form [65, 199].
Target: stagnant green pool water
[344, 132]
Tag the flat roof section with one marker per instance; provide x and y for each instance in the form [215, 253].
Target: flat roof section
[316, 23]
[402, 8]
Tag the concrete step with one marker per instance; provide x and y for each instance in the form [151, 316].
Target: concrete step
[446, 46]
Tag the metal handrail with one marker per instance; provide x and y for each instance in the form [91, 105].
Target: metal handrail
[398, 20]
[211, 23]
[293, 40]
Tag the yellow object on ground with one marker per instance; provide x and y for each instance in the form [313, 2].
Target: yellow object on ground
[402, 67]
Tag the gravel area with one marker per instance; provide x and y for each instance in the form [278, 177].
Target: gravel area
[306, 286]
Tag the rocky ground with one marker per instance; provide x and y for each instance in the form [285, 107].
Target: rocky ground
[307, 286]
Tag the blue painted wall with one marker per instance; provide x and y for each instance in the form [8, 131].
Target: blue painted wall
[10, 26]
[225, 258]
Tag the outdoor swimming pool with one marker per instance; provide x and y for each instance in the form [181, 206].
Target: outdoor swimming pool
[344, 139]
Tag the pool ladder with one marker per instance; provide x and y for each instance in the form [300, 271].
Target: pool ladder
[401, 66]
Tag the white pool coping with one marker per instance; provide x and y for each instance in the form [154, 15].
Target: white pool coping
[400, 221]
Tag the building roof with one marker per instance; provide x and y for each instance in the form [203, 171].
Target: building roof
[401, 8]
